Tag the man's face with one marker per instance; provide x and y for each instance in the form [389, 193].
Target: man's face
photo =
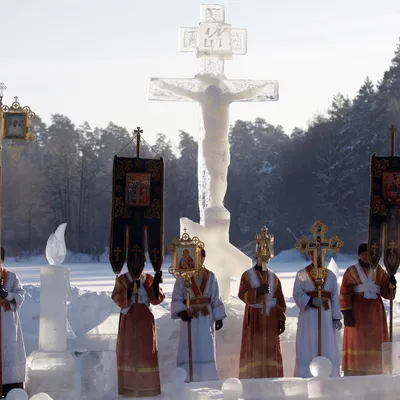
[364, 257]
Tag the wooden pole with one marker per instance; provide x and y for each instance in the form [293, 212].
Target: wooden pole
[264, 323]
[189, 336]
[138, 131]
[392, 130]
[2, 88]
[319, 325]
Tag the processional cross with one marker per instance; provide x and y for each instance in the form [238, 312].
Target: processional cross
[319, 245]
[214, 41]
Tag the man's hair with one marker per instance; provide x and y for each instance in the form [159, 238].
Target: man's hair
[3, 254]
[362, 248]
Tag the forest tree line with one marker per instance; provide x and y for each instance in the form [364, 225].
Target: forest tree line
[289, 179]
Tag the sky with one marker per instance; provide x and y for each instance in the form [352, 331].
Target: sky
[92, 59]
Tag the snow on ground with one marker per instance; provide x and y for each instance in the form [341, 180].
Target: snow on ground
[92, 283]
[90, 306]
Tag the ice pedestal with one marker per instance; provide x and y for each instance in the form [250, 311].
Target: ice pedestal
[51, 369]
[224, 259]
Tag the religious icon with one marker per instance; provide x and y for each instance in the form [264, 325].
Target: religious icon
[391, 187]
[137, 189]
[15, 126]
[186, 261]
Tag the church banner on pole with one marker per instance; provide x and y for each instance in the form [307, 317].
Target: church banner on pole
[384, 216]
[137, 218]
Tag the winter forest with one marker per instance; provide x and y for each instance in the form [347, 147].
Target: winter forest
[288, 179]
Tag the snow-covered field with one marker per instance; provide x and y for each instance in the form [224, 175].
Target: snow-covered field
[90, 306]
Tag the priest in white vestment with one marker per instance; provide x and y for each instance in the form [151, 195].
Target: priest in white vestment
[13, 349]
[205, 315]
[306, 297]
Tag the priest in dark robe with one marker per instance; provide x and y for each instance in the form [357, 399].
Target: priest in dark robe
[263, 322]
[365, 326]
[137, 351]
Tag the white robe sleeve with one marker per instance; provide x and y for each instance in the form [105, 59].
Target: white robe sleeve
[299, 292]
[217, 306]
[16, 293]
[178, 298]
[336, 313]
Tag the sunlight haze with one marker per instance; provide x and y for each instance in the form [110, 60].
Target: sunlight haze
[91, 60]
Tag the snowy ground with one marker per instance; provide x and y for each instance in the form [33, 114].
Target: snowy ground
[91, 305]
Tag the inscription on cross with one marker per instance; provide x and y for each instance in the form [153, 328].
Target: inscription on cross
[213, 39]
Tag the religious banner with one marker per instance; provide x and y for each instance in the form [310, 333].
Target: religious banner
[384, 215]
[137, 214]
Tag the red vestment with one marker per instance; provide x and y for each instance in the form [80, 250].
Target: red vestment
[137, 351]
[362, 344]
[261, 353]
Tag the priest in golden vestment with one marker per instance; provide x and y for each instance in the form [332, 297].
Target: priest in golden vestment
[137, 351]
[365, 326]
[264, 317]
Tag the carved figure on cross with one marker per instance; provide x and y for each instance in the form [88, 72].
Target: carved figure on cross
[213, 41]
[215, 98]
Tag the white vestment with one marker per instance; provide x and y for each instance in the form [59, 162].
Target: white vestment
[203, 342]
[13, 348]
[307, 325]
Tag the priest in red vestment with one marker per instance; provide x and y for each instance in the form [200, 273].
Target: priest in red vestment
[263, 322]
[137, 352]
[364, 315]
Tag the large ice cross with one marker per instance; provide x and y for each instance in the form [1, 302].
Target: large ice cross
[213, 41]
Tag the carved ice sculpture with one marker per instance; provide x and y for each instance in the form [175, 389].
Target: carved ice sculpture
[56, 250]
[213, 42]
[51, 368]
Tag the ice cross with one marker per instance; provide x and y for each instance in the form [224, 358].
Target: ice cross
[213, 41]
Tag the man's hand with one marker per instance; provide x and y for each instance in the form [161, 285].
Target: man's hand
[348, 318]
[337, 324]
[281, 327]
[184, 316]
[3, 293]
[392, 280]
[218, 325]
[263, 289]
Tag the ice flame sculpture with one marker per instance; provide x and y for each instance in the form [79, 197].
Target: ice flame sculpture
[51, 368]
[56, 250]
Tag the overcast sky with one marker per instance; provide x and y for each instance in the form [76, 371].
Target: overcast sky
[92, 59]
